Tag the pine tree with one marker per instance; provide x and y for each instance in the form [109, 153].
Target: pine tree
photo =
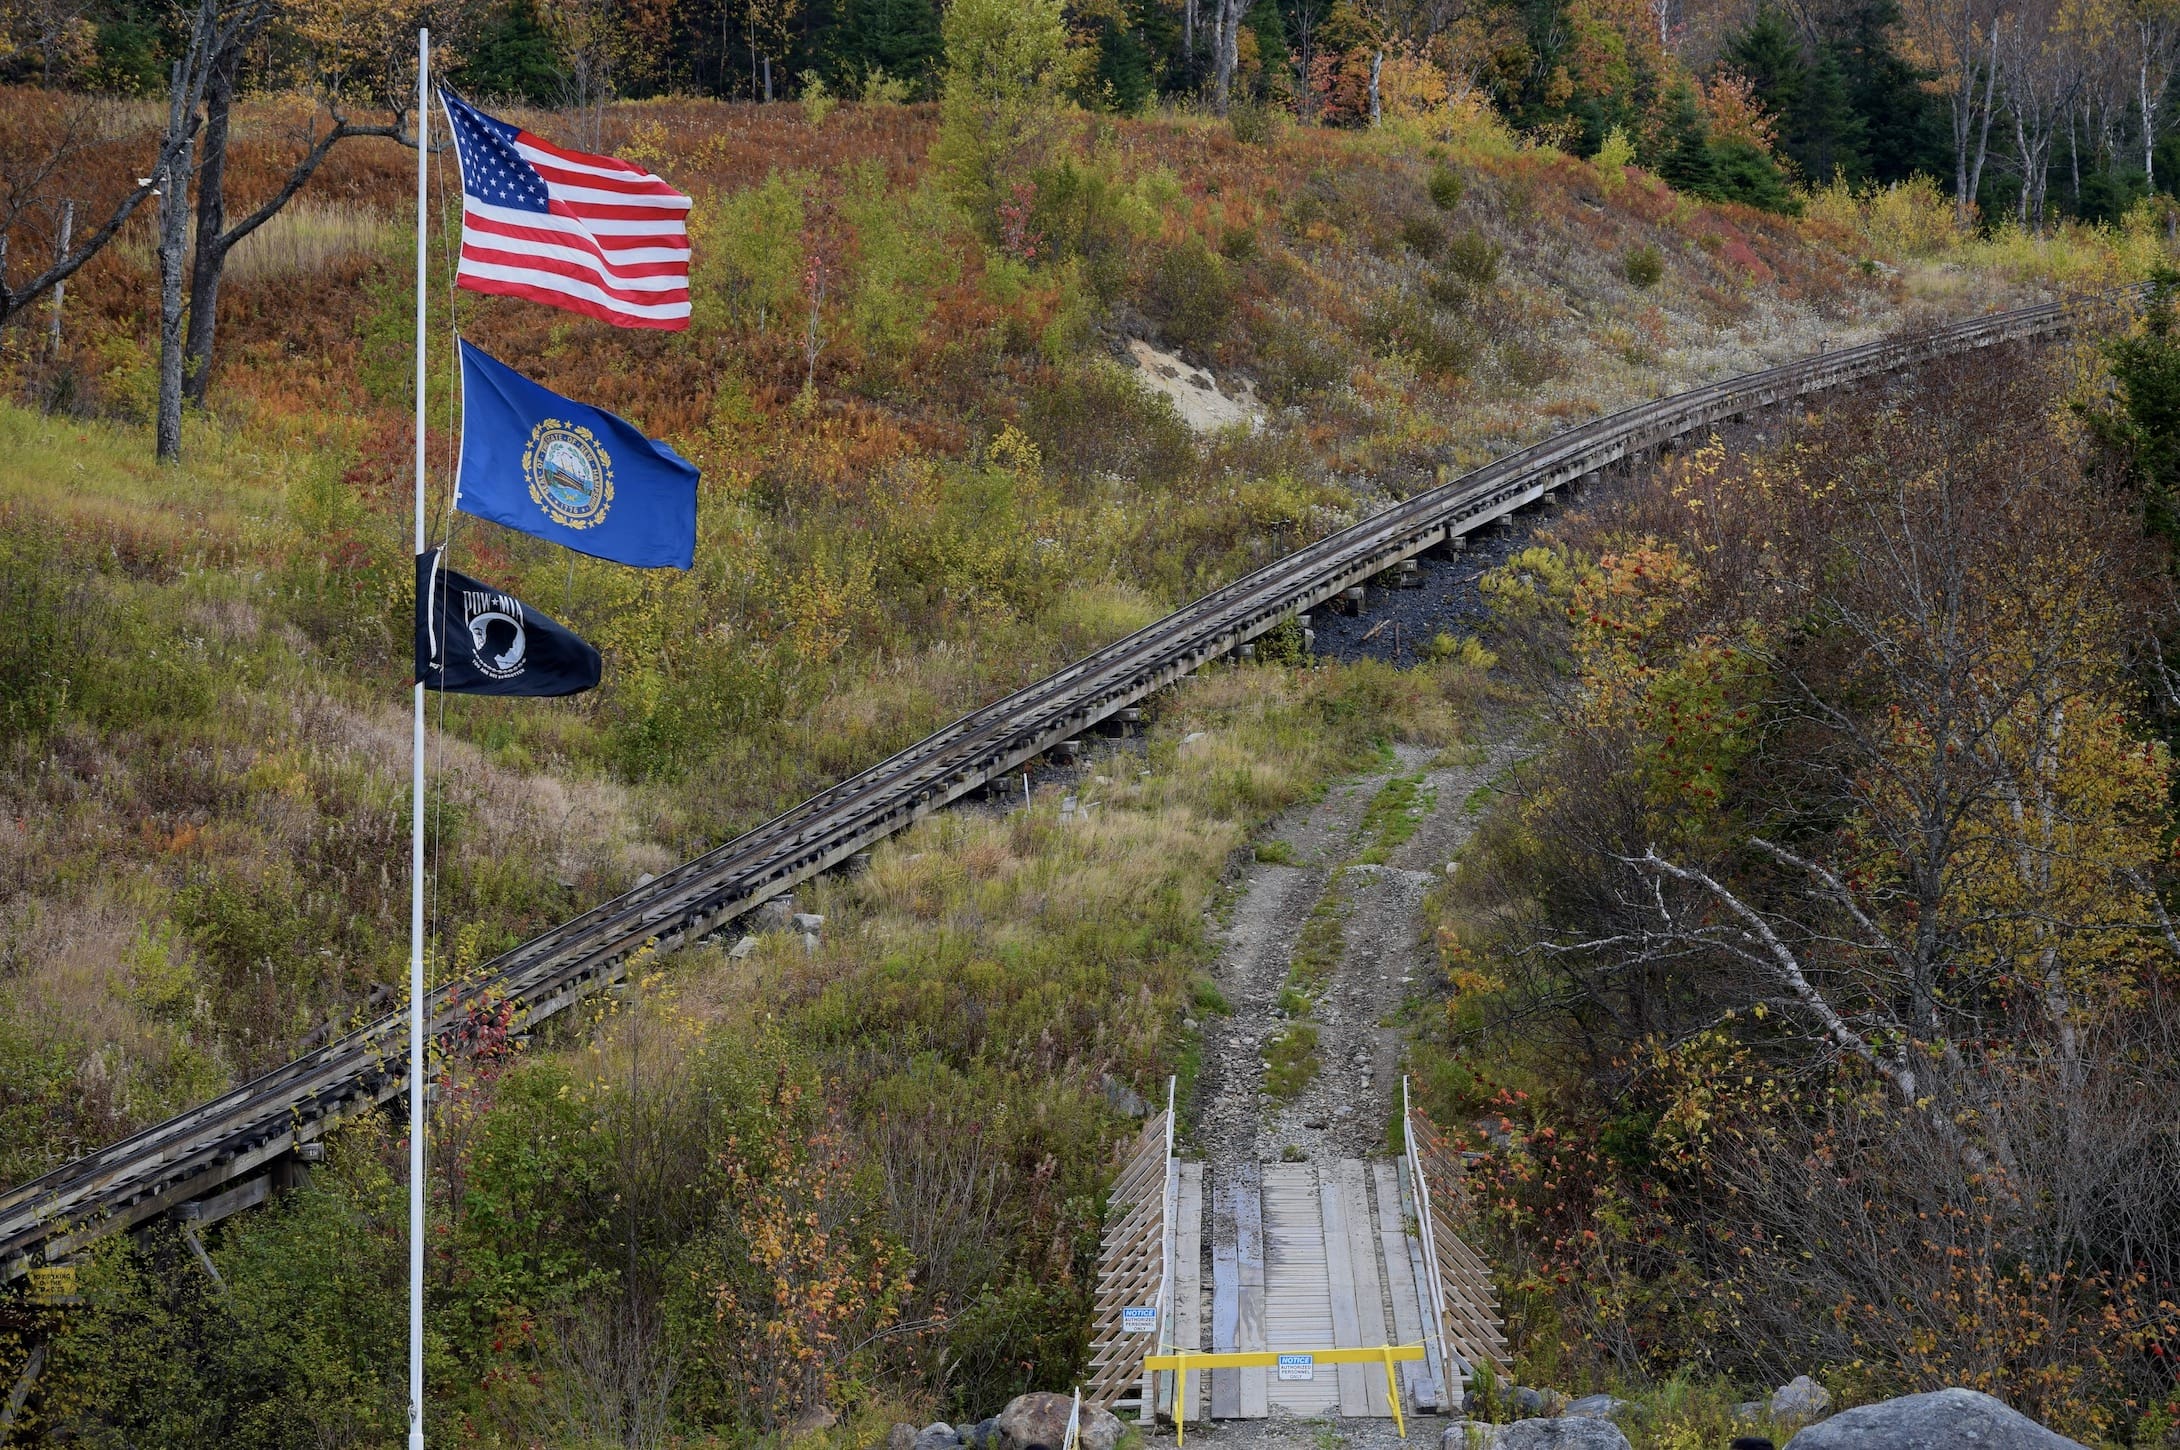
[1824, 132]
[1688, 164]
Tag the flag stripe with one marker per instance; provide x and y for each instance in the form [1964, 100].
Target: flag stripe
[628, 289]
[536, 281]
[593, 234]
[623, 239]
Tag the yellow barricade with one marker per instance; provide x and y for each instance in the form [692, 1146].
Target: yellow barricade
[1181, 1361]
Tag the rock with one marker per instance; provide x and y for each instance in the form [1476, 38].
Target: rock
[1561, 1434]
[1956, 1418]
[1598, 1407]
[1527, 1402]
[1101, 1429]
[806, 921]
[1035, 1421]
[645, 879]
[1193, 392]
[1469, 1435]
[1749, 1410]
[1123, 1099]
[938, 1435]
[984, 1434]
[1800, 1401]
[817, 1418]
[741, 949]
[810, 943]
[901, 1437]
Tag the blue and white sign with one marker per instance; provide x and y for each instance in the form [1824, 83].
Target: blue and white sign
[1139, 1319]
[1298, 1366]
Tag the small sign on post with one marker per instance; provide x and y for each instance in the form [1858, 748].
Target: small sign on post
[1139, 1319]
[53, 1286]
[1298, 1366]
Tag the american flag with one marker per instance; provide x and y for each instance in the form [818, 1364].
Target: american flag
[589, 233]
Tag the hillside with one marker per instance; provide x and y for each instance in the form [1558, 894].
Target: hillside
[961, 484]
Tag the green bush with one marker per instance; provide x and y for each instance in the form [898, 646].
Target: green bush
[1253, 123]
[1190, 294]
[1410, 326]
[1645, 267]
[1422, 235]
[1472, 259]
[1446, 187]
[1295, 360]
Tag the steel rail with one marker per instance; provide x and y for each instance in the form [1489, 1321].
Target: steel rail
[196, 1157]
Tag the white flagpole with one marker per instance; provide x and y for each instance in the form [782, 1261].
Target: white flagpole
[417, 1060]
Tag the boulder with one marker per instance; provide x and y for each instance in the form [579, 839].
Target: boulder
[1799, 1401]
[1956, 1418]
[1561, 1434]
[901, 1437]
[1101, 1429]
[984, 1434]
[1035, 1421]
[1598, 1407]
[938, 1435]
[815, 1420]
[1469, 1435]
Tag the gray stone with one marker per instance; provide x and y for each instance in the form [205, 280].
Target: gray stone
[1528, 1403]
[938, 1435]
[775, 914]
[742, 948]
[984, 1434]
[1800, 1401]
[807, 921]
[1469, 1435]
[901, 1437]
[1561, 1434]
[1957, 1419]
[810, 943]
[1123, 1099]
[1035, 1421]
[1598, 1407]
[1101, 1429]
[1749, 1410]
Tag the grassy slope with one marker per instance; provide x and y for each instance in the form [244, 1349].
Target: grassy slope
[880, 551]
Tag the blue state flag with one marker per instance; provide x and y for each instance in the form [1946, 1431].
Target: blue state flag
[568, 474]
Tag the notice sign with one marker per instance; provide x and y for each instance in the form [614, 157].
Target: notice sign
[1298, 1366]
[1139, 1319]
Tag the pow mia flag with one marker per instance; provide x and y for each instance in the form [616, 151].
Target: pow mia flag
[472, 639]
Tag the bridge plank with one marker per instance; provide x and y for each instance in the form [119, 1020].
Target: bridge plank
[1354, 1389]
[1297, 1291]
[1362, 1253]
[1225, 1302]
[1188, 1248]
[1249, 1255]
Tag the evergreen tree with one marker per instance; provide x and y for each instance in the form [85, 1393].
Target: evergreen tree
[1121, 80]
[1825, 132]
[1747, 175]
[1902, 130]
[1768, 55]
[899, 37]
[1688, 164]
[513, 58]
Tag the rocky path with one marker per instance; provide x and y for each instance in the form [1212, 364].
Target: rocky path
[1375, 957]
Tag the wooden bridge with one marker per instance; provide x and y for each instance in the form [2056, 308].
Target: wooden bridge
[1291, 1279]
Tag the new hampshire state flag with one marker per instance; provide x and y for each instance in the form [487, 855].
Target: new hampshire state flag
[568, 474]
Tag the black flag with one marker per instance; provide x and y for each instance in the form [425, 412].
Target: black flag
[476, 640]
